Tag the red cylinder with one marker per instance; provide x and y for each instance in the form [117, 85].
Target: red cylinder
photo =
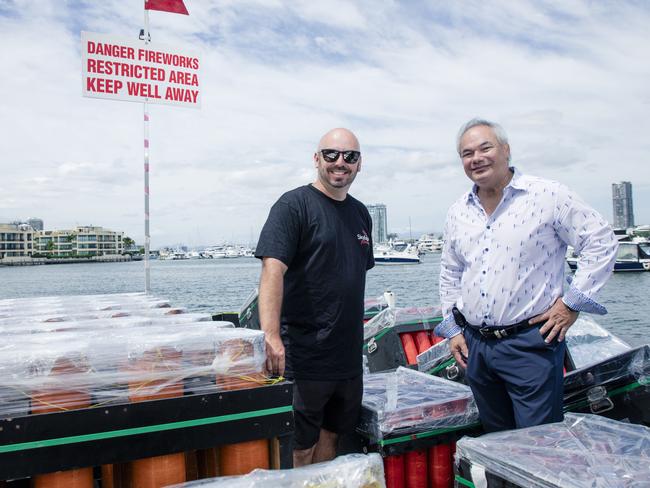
[56, 401]
[436, 339]
[422, 341]
[415, 464]
[394, 471]
[410, 349]
[441, 472]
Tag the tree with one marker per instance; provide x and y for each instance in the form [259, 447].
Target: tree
[128, 242]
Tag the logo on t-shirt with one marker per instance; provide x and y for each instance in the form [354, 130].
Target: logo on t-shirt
[364, 240]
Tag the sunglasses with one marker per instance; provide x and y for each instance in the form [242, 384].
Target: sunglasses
[332, 155]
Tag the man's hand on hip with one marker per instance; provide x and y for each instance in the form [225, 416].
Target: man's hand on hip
[458, 348]
[274, 354]
[558, 320]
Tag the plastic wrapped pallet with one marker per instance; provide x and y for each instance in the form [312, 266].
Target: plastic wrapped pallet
[392, 317]
[79, 303]
[582, 451]
[350, 471]
[406, 401]
[102, 358]
[589, 343]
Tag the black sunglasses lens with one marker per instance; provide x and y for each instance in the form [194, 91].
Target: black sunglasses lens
[351, 157]
[330, 155]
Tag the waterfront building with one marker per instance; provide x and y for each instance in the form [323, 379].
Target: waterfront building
[379, 222]
[16, 240]
[37, 224]
[623, 205]
[80, 241]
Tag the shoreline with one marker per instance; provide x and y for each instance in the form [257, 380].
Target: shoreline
[23, 261]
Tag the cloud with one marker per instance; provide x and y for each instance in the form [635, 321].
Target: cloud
[568, 80]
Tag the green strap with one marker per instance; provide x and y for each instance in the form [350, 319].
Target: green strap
[424, 435]
[442, 366]
[142, 430]
[617, 391]
[463, 481]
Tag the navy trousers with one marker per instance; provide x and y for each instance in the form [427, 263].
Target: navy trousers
[517, 381]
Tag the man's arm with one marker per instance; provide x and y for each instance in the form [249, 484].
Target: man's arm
[270, 306]
[591, 236]
[451, 271]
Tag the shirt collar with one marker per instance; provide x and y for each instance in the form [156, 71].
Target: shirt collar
[516, 183]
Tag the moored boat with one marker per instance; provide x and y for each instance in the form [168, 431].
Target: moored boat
[631, 256]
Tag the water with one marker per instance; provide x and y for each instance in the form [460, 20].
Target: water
[223, 285]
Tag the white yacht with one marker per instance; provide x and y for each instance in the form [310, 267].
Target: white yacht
[387, 254]
[429, 243]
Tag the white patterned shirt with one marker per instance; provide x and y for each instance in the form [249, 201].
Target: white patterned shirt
[509, 266]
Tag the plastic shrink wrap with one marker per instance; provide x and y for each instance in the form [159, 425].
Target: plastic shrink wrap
[392, 317]
[372, 306]
[406, 401]
[589, 343]
[49, 366]
[350, 471]
[582, 451]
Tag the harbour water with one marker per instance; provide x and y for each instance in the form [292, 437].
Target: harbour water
[215, 285]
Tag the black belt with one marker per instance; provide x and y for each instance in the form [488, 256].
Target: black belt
[493, 331]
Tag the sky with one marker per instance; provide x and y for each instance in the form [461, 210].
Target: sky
[568, 80]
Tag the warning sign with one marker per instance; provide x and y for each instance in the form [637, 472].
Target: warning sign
[121, 69]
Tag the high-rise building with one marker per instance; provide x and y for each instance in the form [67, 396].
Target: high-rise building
[379, 222]
[37, 224]
[623, 206]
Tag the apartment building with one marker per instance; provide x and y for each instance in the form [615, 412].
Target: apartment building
[16, 240]
[80, 241]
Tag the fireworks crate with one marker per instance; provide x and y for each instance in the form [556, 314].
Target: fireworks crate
[43, 443]
[249, 315]
[414, 420]
[617, 387]
[395, 336]
[583, 450]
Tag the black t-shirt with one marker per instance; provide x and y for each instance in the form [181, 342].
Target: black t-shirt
[327, 247]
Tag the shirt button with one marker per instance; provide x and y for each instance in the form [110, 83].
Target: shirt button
[488, 226]
[482, 294]
[486, 249]
[484, 271]
[485, 316]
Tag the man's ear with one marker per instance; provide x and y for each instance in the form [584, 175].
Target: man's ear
[316, 159]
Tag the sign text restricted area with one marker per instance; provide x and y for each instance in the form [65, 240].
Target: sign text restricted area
[121, 69]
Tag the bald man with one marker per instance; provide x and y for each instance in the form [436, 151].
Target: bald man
[315, 249]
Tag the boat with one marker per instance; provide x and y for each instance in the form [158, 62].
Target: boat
[631, 256]
[387, 254]
[428, 244]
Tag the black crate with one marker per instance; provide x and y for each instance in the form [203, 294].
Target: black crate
[617, 388]
[463, 477]
[399, 444]
[249, 315]
[36, 444]
[385, 351]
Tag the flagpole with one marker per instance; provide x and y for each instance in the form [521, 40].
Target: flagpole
[147, 236]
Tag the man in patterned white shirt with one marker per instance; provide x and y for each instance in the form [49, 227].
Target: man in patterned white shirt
[502, 275]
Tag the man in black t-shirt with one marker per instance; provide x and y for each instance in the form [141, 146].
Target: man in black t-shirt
[315, 249]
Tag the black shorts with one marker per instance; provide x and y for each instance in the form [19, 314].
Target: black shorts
[330, 405]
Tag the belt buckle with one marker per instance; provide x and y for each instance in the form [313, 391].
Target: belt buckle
[492, 332]
[485, 332]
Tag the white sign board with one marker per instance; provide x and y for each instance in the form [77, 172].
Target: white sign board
[120, 69]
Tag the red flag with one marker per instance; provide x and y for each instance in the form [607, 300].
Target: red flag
[173, 6]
